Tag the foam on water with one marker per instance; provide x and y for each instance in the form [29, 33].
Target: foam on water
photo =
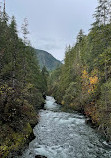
[50, 103]
[65, 135]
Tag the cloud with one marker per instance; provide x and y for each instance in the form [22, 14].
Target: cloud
[53, 24]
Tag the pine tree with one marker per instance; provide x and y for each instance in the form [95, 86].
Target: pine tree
[101, 13]
[45, 75]
[25, 30]
[80, 36]
[104, 10]
[4, 14]
[97, 17]
[25, 33]
[13, 41]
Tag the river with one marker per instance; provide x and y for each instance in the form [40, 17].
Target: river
[65, 135]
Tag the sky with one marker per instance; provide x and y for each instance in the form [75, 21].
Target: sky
[53, 24]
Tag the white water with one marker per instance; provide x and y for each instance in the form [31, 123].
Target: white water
[65, 135]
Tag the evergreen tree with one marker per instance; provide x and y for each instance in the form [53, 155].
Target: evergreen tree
[4, 15]
[25, 33]
[13, 41]
[45, 75]
[80, 36]
[104, 10]
[102, 13]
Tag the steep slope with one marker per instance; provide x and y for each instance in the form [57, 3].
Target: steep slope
[47, 60]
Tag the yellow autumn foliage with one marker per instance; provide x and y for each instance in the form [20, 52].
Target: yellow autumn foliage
[84, 74]
[89, 81]
[93, 80]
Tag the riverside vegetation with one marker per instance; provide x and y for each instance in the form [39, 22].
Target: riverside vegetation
[83, 82]
[22, 85]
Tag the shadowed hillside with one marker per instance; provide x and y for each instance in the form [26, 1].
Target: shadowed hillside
[47, 60]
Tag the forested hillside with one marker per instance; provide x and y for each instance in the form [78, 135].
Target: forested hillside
[83, 83]
[22, 85]
[47, 60]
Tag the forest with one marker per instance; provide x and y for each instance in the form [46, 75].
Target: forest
[22, 85]
[83, 82]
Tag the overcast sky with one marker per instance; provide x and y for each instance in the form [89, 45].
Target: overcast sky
[53, 24]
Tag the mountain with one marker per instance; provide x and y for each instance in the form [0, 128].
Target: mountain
[47, 60]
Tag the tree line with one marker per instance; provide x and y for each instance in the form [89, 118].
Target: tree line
[83, 82]
[22, 85]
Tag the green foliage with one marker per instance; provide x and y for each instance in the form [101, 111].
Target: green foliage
[71, 93]
[13, 141]
[22, 85]
[83, 82]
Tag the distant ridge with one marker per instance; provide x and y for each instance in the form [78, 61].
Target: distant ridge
[47, 60]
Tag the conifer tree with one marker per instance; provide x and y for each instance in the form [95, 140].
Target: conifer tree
[80, 36]
[104, 10]
[97, 17]
[101, 13]
[25, 33]
[45, 75]
[4, 14]
[13, 41]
